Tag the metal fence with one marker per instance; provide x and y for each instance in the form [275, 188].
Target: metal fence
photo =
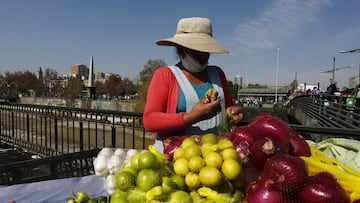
[49, 130]
[326, 115]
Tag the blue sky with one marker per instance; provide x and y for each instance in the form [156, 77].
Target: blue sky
[121, 36]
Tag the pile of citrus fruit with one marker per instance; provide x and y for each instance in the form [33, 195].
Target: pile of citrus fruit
[204, 169]
[211, 163]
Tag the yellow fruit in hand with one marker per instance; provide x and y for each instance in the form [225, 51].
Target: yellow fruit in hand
[231, 169]
[213, 159]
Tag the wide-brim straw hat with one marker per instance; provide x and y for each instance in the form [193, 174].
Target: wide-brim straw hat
[194, 33]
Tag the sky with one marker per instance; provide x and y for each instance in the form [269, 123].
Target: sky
[271, 42]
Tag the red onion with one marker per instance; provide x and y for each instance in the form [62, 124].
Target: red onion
[251, 173]
[298, 145]
[291, 201]
[288, 173]
[267, 125]
[262, 149]
[240, 134]
[260, 191]
[243, 151]
[323, 188]
[171, 144]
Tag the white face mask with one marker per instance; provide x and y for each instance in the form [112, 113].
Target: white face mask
[192, 64]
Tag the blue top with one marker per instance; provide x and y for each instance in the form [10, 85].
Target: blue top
[200, 91]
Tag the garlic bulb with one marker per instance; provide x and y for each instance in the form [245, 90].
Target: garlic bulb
[130, 153]
[110, 185]
[120, 152]
[100, 165]
[114, 164]
[107, 151]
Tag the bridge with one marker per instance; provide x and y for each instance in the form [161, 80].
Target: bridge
[325, 115]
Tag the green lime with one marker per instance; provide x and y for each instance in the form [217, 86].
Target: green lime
[124, 180]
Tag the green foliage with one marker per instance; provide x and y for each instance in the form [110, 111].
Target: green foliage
[115, 85]
[72, 91]
[233, 88]
[21, 82]
[145, 77]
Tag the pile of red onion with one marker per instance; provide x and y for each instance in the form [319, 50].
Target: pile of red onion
[265, 136]
[269, 149]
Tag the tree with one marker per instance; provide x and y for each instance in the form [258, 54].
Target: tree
[21, 82]
[73, 91]
[51, 82]
[233, 89]
[145, 76]
[50, 74]
[127, 87]
[149, 69]
[100, 88]
[112, 85]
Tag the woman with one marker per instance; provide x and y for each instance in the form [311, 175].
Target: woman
[175, 103]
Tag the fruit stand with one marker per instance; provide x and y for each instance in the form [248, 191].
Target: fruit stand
[263, 161]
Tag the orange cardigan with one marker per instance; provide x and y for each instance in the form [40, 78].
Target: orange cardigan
[160, 114]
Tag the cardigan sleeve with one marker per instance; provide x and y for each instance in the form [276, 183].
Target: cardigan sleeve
[162, 98]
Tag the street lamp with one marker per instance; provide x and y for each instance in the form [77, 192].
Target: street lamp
[277, 71]
[353, 51]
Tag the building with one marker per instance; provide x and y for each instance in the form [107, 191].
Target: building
[263, 94]
[80, 71]
[238, 81]
[353, 81]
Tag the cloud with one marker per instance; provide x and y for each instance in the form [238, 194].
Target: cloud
[277, 23]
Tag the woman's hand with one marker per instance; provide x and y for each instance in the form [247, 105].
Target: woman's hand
[202, 111]
[234, 113]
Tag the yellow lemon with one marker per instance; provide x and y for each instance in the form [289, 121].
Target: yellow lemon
[207, 147]
[181, 166]
[191, 151]
[210, 176]
[213, 159]
[229, 153]
[209, 138]
[192, 180]
[196, 163]
[231, 169]
[188, 141]
[178, 153]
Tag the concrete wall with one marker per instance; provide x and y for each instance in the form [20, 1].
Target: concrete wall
[93, 104]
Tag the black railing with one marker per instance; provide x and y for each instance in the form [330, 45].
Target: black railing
[49, 130]
[326, 115]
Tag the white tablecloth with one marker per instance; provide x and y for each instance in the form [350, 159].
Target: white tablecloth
[53, 191]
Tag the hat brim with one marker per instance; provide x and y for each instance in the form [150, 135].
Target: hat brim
[194, 41]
